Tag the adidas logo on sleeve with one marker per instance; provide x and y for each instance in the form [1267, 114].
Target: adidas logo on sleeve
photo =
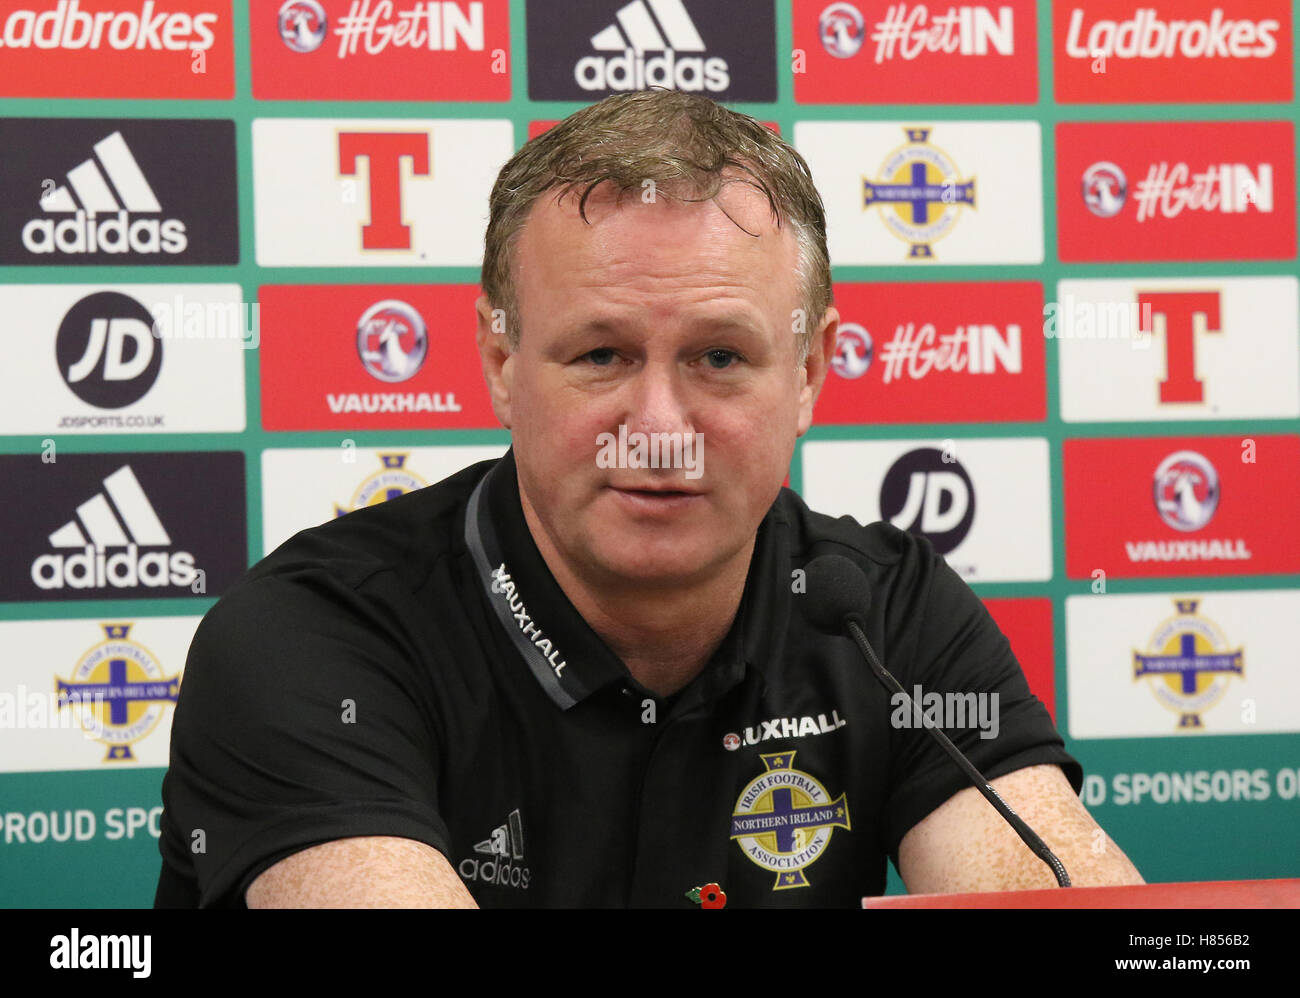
[500, 857]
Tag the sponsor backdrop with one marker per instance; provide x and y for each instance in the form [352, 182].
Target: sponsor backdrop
[241, 246]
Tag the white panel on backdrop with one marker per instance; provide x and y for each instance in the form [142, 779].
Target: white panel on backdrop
[125, 358]
[938, 192]
[125, 672]
[374, 192]
[984, 504]
[1221, 348]
[1182, 663]
[306, 486]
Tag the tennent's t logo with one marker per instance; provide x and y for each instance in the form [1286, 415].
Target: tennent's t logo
[384, 152]
[1177, 311]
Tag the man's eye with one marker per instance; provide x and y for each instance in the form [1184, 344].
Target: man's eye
[601, 357]
[721, 359]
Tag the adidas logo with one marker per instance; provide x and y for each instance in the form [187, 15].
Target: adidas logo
[651, 26]
[102, 194]
[129, 522]
[505, 846]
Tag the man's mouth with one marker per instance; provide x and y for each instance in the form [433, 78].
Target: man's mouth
[655, 491]
[649, 497]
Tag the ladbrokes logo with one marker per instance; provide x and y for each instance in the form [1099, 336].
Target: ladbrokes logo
[722, 51]
[117, 48]
[146, 25]
[1195, 50]
[1148, 36]
[119, 192]
[153, 525]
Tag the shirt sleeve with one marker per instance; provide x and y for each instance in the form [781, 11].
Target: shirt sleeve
[947, 643]
[302, 718]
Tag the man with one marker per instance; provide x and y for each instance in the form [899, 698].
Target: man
[567, 678]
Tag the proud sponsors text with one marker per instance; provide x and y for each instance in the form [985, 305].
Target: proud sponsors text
[79, 825]
[1201, 786]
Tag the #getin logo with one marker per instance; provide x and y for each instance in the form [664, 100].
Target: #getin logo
[1189, 663]
[121, 690]
[391, 481]
[918, 193]
[784, 819]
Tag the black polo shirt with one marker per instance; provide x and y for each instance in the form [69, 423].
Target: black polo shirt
[412, 669]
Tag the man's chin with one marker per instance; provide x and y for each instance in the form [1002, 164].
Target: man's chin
[654, 568]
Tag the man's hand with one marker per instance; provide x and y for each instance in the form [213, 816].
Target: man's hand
[964, 845]
[374, 871]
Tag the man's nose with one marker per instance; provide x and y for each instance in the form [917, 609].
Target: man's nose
[658, 403]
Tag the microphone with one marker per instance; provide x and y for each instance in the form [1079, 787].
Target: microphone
[842, 597]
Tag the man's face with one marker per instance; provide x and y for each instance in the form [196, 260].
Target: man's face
[657, 318]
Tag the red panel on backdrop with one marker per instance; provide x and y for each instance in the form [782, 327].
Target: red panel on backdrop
[1176, 191]
[897, 53]
[373, 50]
[371, 357]
[933, 353]
[1131, 51]
[1027, 623]
[1181, 506]
[173, 49]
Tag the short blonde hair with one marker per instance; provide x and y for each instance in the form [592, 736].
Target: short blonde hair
[676, 140]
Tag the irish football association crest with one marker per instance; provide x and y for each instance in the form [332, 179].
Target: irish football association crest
[784, 819]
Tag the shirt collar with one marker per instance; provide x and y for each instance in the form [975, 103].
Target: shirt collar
[568, 659]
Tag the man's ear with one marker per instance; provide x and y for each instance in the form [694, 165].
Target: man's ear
[495, 356]
[820, 353]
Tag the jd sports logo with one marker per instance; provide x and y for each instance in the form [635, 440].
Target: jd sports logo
[927, 492]
[502, 855]
[106, 350]
[118, 191]
[725, 51]
[97, 526]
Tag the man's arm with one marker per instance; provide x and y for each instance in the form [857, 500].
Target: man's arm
[373, 871]
[964, 845]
